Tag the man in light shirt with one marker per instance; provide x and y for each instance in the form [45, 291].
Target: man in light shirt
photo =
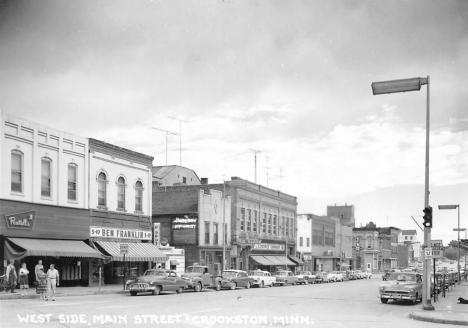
[52, 281]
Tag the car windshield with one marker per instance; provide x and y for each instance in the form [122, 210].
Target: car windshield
[304, 272]
[195, 269]
[155, 273]
[256, 273]
[282, 273]
[402, 277]
[229, 273]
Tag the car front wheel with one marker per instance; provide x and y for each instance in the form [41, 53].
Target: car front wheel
[384, 300]
[179, 290]
[198, 287]
[248, 285]
[156, 291]
[133, 293]
[261, 284]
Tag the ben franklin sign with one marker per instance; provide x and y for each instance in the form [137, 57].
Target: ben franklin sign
[24, 220]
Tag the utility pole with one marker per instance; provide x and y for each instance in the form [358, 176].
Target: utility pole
[167, 137]
[255, 152]
[180, 135]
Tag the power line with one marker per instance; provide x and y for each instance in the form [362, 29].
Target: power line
[180, 134]
[167, 137]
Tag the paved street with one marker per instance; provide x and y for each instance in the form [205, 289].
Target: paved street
[342, 304]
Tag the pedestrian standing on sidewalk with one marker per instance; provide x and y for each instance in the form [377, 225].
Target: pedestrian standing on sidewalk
[11, 276]
[41, 288]
[52, 281]
[24, 279]
[37, 268]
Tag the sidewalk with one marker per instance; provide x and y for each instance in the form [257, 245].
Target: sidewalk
[446, 308]
[66, 291]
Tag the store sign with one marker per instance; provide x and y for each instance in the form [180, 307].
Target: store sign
[184, 223]
[156, 231]
[275, 247]
[101, 232]
[24, 220]
[249, 241]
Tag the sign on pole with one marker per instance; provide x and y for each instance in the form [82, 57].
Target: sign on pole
[437, 249]
[428, 254]
[123, 249]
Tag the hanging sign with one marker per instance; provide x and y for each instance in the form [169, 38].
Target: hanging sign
[156, 231]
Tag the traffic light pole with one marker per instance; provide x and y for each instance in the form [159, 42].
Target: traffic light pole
[426, 292]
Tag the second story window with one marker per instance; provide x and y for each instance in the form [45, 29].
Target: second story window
[121, 193]
[269, 223]
[308, 242]
[71, 182]
[255, 221]
[139, 196]
[207, 233]
[215, 233]
[287, 226]
[16, 171]
[264, 224]
[249, 220]
[102, 185]
[242, 220]
[274, 224]
[300, 241]
[45, 177]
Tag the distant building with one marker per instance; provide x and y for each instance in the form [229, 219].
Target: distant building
[408, 236]
[304, 239]
[366, 244]
[345, 213]
[173, 175]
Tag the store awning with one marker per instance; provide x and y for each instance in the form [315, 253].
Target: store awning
[261, 260]
[16, 248]
[137, 252]
[174, 262]
[297, 260]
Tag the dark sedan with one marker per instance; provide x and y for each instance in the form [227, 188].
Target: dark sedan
[157, 281]
[239, 278]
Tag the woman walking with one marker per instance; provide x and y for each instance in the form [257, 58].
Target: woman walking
[41, 288]
[23, 279]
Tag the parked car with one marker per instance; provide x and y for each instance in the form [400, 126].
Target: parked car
[359, 274]
[339, 275]
[385, 275]
[305, 277]
[157, 281]
[238, 277]
[285, 277]
[198, 277]
[262, 278]
[402, 286]
[352, 275]
[319, 277]
[367, 275]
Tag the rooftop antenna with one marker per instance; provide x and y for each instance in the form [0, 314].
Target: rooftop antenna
[281, 176]
[167, 137]
[256, 152]
[267, 169]
[180, 134]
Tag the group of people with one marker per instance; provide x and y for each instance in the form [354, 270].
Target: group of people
[46, 283]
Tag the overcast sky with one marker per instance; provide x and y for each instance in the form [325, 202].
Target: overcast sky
[291, 79]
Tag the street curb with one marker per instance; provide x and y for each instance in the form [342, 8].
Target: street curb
[37, 296]
[438, 320]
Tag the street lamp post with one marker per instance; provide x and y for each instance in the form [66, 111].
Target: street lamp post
[453, 207]
[406, 85]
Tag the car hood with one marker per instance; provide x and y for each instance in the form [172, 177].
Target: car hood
[146, 279]
[400, 284]
[191, 274]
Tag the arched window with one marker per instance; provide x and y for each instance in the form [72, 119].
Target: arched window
[139, 196]
[16, 171]
[102, 184]
[46, 170]
[121, 193]
[72, 171]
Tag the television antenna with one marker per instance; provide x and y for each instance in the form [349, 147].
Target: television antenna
[167, 137]
[267, 169]
[180, 134]
[255, 152]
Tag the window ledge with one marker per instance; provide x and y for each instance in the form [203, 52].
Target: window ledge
[17, 193]
[46, 198]
[72, 201]
[139, 212]
[121, 210]
[102, 207]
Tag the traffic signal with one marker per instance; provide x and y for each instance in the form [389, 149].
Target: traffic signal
[427, 217]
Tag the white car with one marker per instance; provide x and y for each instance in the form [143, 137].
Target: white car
[335, 276]
[262, 278]
[367, 274]
[359, 274]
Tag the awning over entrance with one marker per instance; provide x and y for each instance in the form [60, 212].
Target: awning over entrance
[261, 260]
[174, 262]
[271, 260]
[16, 248]
[137, 252]
[297, 260]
